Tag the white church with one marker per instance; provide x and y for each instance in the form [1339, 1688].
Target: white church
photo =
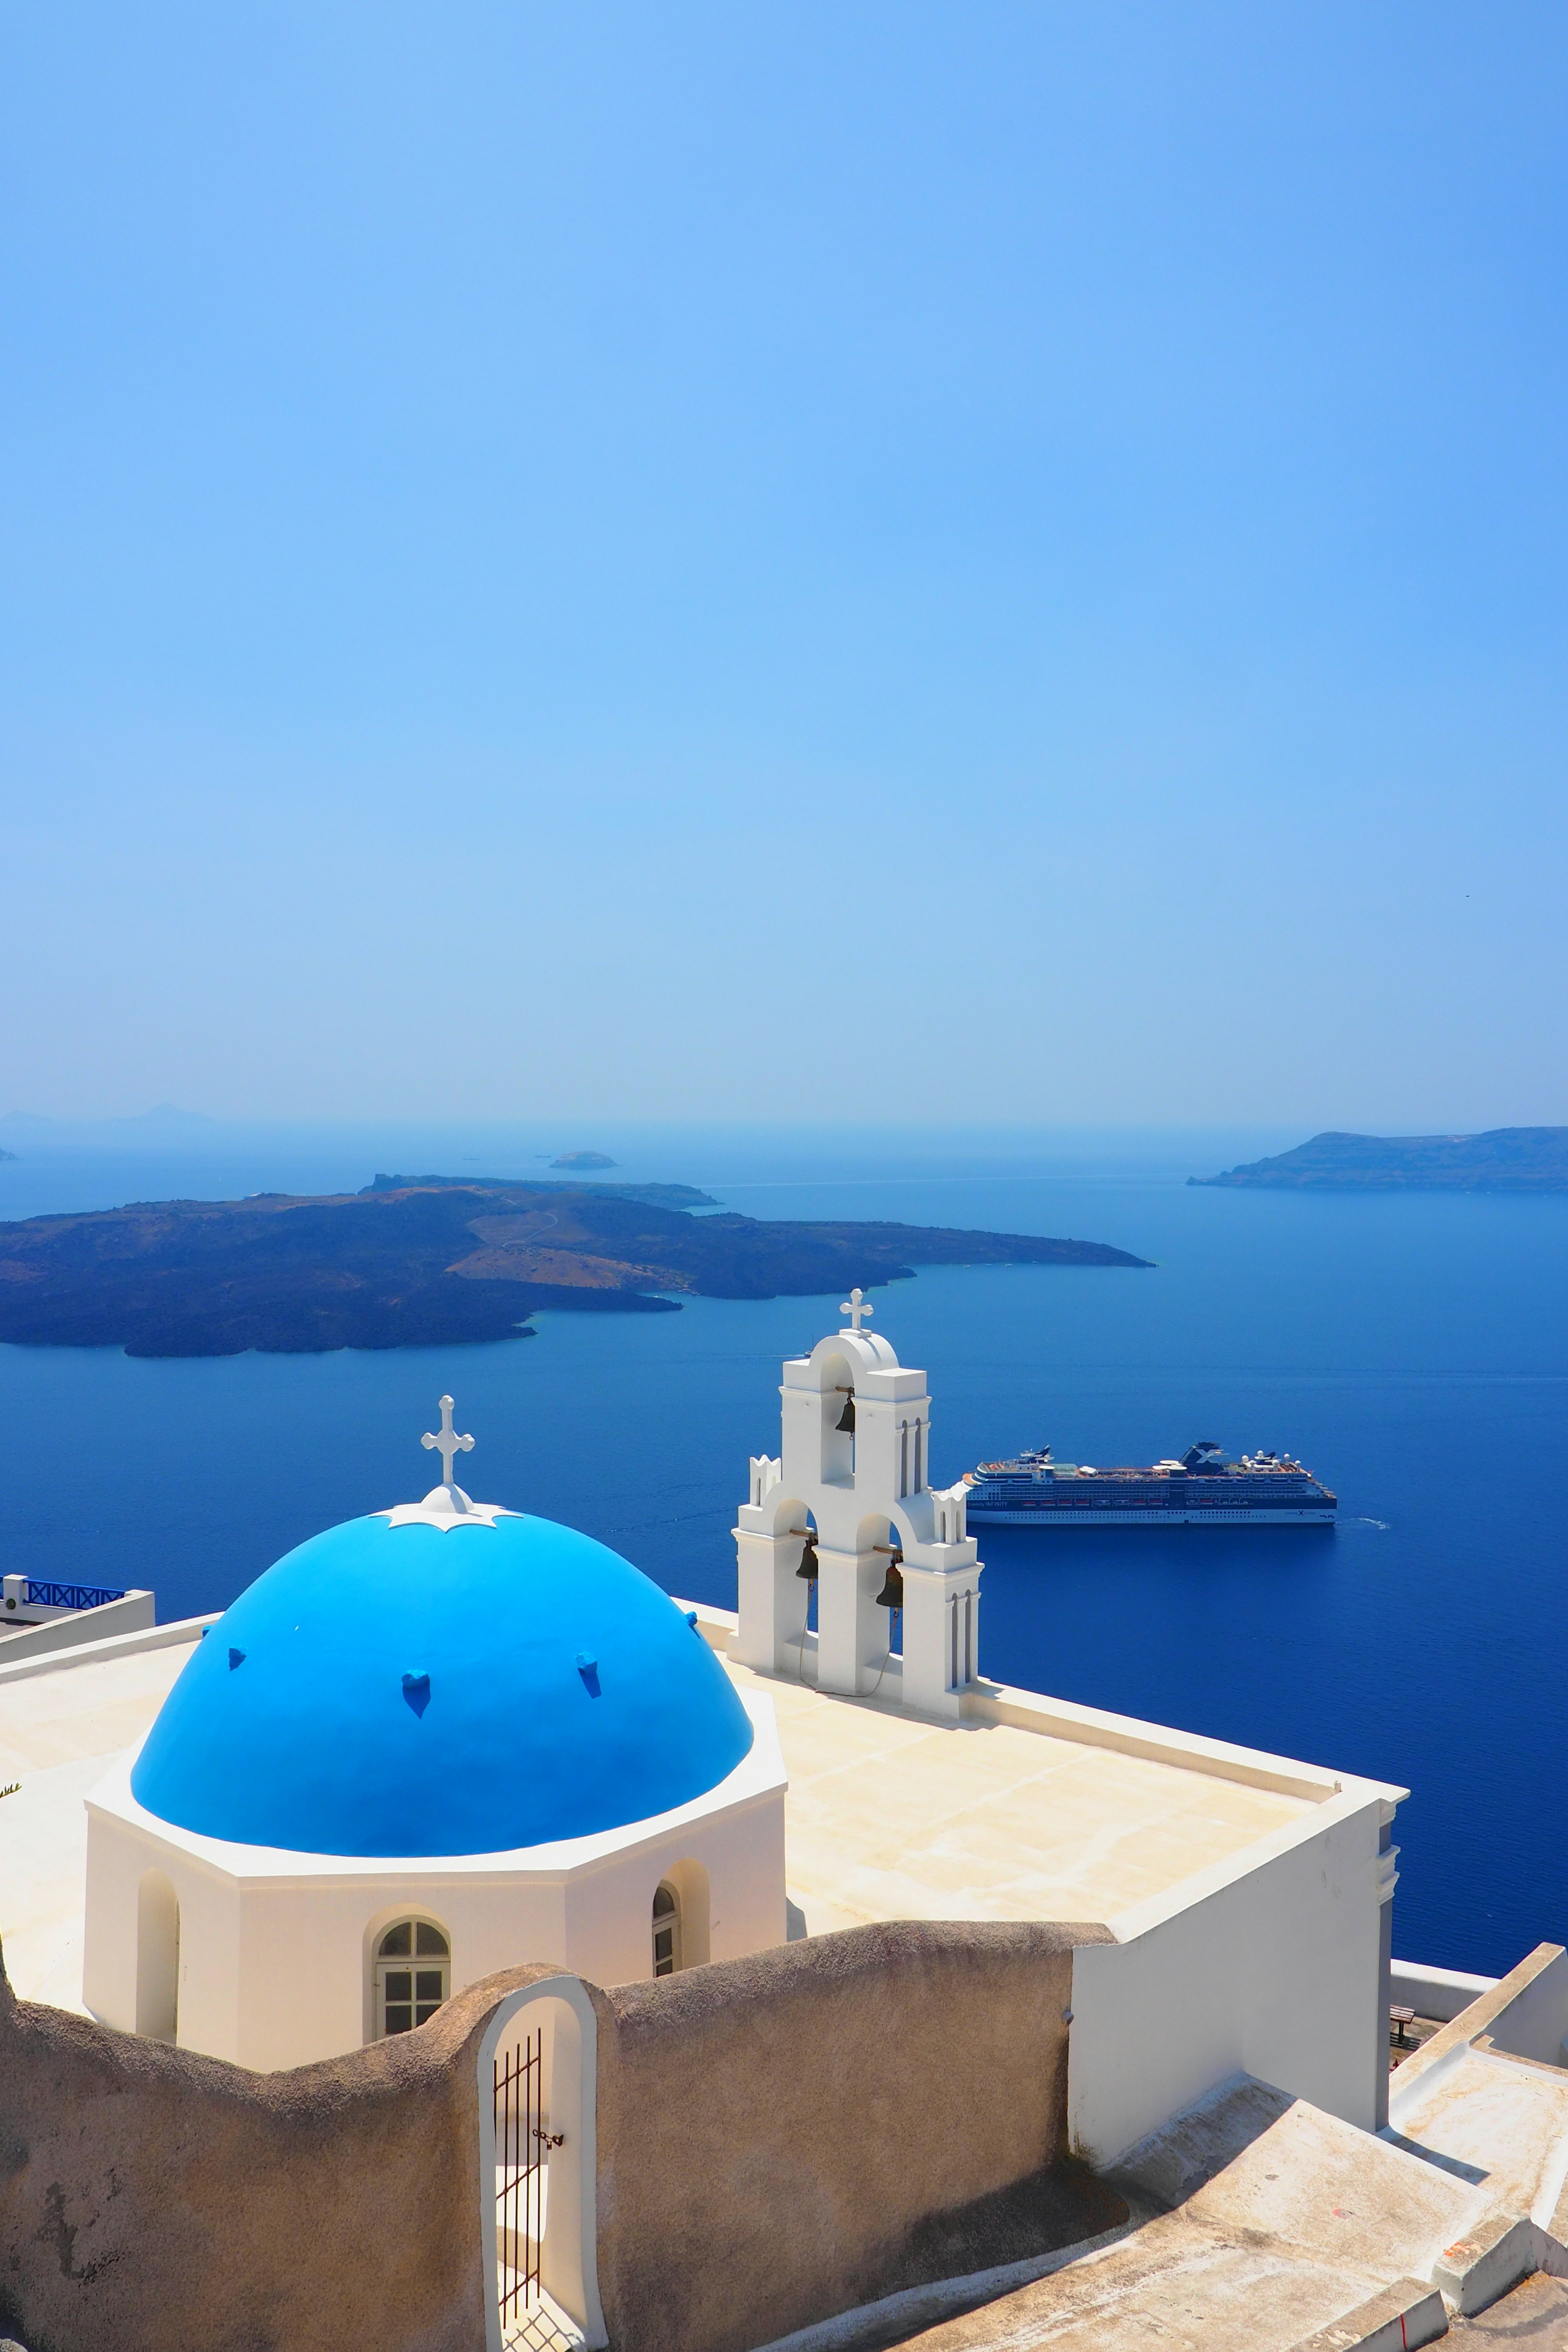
[426, 1745]
[451, 1739]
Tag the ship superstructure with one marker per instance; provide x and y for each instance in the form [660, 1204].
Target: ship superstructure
[1203, 1489]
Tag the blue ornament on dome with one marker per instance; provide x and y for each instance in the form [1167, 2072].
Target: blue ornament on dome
[444, 1678]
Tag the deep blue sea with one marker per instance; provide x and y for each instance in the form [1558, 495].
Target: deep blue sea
[1413, 1350]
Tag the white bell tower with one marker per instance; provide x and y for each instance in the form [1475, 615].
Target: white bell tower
[850, 1479]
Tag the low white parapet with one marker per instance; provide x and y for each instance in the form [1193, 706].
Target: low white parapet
[1439, 1993]
[718, 1627]
[1522, 2015]
[63, 1628]
[1094, 1726]
[85, 1652]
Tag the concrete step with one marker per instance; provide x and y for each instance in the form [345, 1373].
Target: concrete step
[1531, 2317]
[1259, 2222]
[1492, 2118]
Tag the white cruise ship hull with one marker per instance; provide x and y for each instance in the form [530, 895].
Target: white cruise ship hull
[1089, 1516]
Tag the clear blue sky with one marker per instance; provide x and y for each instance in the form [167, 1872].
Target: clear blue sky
[709, 560]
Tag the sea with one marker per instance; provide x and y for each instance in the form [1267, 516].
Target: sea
[1411, 1348]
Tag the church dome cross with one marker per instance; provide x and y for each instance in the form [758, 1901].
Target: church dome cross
[448, 1443]
[446, 1506]
[855, 1306]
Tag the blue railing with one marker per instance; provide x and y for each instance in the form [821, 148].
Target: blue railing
[69, 1596]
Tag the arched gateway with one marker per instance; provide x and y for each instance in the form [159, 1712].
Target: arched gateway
[538, 2170]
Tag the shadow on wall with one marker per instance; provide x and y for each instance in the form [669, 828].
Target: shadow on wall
[779, 2139]
[788, 2135]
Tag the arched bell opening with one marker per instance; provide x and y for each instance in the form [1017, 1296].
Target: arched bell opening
[777, 1569]
[157, 1957]
[838, 1420]
[889, 1598]
[808, 1569]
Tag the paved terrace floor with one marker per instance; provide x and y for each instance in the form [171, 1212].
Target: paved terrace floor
[59, 1732]
[892, 1818]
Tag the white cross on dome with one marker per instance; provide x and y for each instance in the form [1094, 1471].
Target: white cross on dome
[855, 1306]
[446, 1506]
[448, 1443]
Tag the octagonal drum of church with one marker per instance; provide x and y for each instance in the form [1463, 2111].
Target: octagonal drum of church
[425, 1746]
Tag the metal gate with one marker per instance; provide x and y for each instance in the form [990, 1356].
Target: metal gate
[522, 2149]
[519, 2176]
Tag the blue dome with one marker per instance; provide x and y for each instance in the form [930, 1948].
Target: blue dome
[412, 1690]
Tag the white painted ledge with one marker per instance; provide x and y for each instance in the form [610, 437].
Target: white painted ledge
[67, 1629]
[718, 1627]
[1441, 1993]
[1092, 1727]
[118, 1645]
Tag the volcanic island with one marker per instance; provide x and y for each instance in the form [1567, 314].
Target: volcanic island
[1503, 1159]
[431, 1260]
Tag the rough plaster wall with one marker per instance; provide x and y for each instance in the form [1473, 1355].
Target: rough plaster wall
[155, 2200]
[780, 2138]
[786, 2135]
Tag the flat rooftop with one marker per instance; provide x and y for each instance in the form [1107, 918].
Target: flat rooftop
[59, 1732]
[1052, 1815]
[891, 1817]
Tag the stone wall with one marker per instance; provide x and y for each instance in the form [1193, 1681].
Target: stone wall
[784, 2136]
[780, 2138]
[154, 2201]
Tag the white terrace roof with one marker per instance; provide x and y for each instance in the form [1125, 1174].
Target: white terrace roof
[62, 1724]
[1030, 1808]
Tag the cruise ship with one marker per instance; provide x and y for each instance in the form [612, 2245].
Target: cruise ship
[1201, 1490]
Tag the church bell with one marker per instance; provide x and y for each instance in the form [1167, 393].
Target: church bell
[807, 1568]
[892, 1596]
[844, 1423]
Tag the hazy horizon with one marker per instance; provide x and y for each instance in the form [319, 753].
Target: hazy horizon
[590, 1132]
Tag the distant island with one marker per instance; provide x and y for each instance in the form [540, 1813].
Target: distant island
[582, 1160]
[7, 1155]
[657, 1196]
[1503, 1159]
[435, 1260]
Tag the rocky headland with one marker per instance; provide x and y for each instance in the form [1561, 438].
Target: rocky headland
[430, 1261]
[1502, 1160]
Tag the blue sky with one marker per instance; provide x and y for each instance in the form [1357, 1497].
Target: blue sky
[828, 562]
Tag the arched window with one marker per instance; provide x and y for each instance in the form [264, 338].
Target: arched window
[903, 1458]
[413, 1977]
[920, 1467]
[665, 1930]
